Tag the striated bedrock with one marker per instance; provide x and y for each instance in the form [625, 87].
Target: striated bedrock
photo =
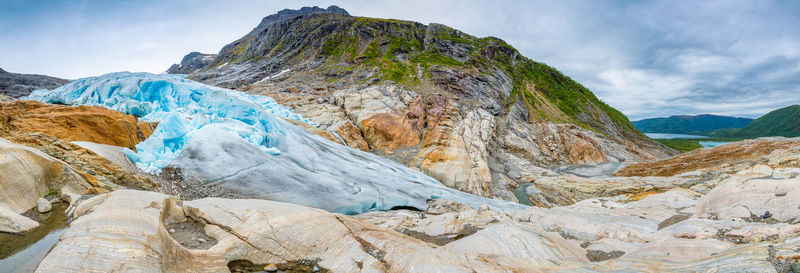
[202, 129]
[675, 231]
[29, 174]
[51, 129]
[71, 123]
[131, 226]
[453, 106]
[702, 171]
[468, 149]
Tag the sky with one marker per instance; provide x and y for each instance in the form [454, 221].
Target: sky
[645, 58]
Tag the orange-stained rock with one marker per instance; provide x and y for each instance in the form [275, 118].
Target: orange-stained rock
[81, 123]
[461, 161]
[146, 128]
[346, 134]
[389, 131]
[51, 128]
[416, 113]
[717, 157]
[314, 130]
[352, 136]
[582, 149]
[641, 195]
[439, 119]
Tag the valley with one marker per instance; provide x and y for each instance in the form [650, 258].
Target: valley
[321, 141]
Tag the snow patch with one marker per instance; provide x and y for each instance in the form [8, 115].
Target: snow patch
[267, 78]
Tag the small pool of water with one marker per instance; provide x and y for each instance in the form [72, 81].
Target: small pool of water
[711, 144]
[671, 136]
[521, 196]
[23, 252]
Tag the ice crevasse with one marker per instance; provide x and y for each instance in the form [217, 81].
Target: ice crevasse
[231, 144]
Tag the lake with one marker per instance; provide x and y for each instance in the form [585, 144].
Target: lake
[710, 144]
[671, 136]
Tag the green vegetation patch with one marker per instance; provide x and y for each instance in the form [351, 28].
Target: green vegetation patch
[688, 144]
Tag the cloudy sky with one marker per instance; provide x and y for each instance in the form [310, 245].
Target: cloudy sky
[647, 59]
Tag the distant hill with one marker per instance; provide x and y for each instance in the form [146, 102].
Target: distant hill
[782, 122]
[693, 125]
[191, 62]
[17, 85]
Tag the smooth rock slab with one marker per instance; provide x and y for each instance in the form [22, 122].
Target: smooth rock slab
[124, 231]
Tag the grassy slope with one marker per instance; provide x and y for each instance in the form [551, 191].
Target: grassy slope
[399, 48]
[782, 122]
[688, 144]
[399, 51]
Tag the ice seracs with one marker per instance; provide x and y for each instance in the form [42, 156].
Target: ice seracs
[181, 107]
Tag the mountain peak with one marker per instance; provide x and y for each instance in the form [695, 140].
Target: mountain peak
[310, 10]
[286, 14]
[191, 62]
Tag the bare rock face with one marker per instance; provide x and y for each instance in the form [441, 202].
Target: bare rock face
[467, 149]
[461, 159]
[192, 62]
[4, 99]
[28, 175]
[81, 123]
[50, 128]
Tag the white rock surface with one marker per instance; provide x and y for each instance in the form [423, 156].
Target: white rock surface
[43, 206]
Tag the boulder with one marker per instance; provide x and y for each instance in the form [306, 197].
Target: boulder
[43, 206]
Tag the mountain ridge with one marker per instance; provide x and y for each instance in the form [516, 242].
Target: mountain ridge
[690, 124]
[16, 85]
[783, 122]
[334, 37]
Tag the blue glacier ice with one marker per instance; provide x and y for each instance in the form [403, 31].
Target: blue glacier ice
[229, 144]
[181, 106]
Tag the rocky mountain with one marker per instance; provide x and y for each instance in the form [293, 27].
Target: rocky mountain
[191, 62]
[781, 122]
[467, 111]
[375, 159]
[692, 125]
[17, 85]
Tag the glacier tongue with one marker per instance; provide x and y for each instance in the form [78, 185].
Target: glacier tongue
[231, 144]
[180, 106]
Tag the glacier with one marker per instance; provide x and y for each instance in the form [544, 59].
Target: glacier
[230, 144]
[180, 106]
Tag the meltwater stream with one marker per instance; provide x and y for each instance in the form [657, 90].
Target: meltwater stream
[23, 252]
